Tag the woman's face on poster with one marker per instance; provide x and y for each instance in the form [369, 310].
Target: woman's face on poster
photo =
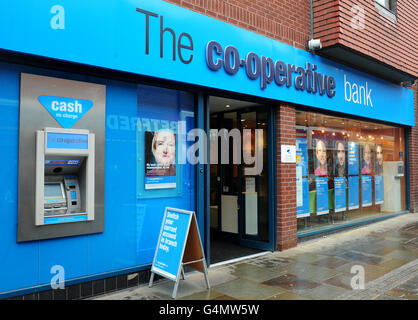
[379, 155]
[164, 147]
[367, 154]
[341, 153]
[321, 153]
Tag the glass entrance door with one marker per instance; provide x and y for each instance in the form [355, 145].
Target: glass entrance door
[254, 176]
[241, 200]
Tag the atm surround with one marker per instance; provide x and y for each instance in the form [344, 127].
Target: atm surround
[61, 164]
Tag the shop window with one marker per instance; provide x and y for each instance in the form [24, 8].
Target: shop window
[389, 5]
[347, 170]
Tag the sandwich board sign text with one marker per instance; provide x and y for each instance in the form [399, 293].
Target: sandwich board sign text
[179, 244]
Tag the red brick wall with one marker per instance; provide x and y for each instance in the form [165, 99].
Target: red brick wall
[392, 42]
[286, 179]
[413, 157]
[283, 20]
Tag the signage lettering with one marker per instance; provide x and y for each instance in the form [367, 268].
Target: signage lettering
[154, 38]
[359, 94]
[306, 78]
[181, 43]
[66, 111]
[67, 107]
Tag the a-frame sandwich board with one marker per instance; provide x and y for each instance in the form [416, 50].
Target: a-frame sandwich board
[179, 244]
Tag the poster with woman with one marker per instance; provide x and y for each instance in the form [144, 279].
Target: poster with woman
[367, 159]
[160, 157]
[321, 167]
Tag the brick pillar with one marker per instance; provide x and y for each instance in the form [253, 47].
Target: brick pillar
[413, 156]
[286, 179]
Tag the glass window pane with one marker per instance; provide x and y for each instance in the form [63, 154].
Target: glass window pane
[347, 170]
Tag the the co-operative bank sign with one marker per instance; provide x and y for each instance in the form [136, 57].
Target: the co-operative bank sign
[158, 39]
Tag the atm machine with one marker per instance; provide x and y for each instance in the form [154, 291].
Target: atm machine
[64, 176]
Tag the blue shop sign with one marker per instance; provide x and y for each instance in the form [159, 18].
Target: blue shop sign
[158, 39]
[66, 111]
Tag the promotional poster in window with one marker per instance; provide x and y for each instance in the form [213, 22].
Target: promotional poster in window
[337, 158]
[160, 157]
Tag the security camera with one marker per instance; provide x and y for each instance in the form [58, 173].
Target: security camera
[407, 83]
[314, 44]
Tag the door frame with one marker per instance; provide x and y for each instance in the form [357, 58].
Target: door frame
[255, 243]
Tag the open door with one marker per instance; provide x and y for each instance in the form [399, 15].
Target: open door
[241, 199]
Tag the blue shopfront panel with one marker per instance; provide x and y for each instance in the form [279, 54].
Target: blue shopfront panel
[119, 30]
[161, 109]
[116, 247]
[18, 263]
[132, 224]
[69, 253]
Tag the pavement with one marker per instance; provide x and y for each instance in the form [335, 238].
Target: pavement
[374, 262]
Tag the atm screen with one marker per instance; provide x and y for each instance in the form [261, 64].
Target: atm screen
[53, 191]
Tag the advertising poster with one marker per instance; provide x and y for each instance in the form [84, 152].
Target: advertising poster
[340, 194]
[302, 154]
[378, 167]
[367, 158]
[299, 188]
[378, 187]
[302, 209]
[320, 157]
[250, 184]
[302, 183]
[352, 155]
[340, 163]
[366, 191]
[322, 201]
[171, 243]
[160, 157]
[353, 193]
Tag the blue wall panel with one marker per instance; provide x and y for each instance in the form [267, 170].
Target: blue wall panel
[18, 262]
[116, 247]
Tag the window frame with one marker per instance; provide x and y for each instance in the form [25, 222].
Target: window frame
[389, 10]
